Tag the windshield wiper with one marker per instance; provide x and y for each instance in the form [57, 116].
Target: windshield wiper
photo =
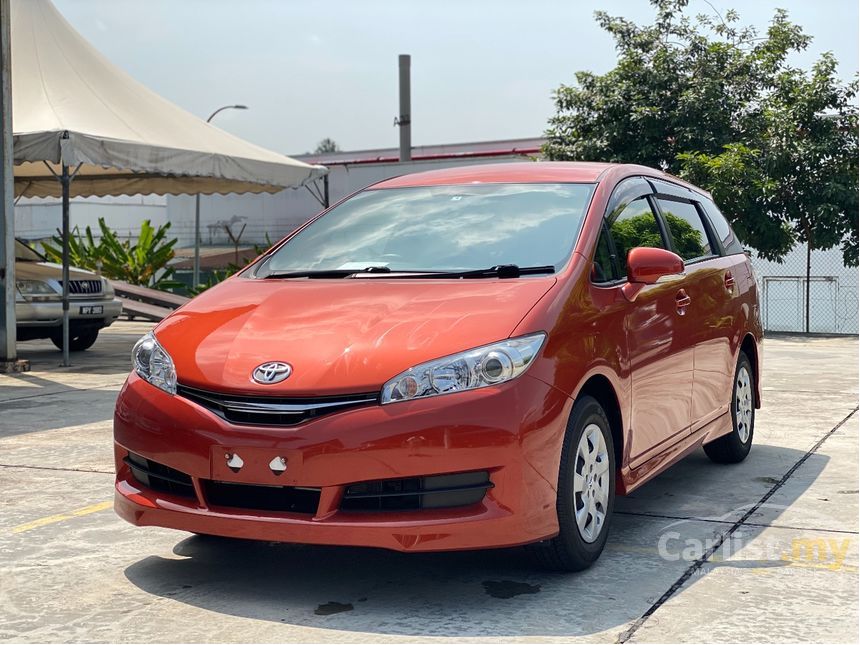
[323, 273]
[498, 271]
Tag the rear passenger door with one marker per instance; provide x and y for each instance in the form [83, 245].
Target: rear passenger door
[659, 353]
[709, 285]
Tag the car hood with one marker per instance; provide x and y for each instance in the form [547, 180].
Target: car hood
[339, 336]
[49, 271]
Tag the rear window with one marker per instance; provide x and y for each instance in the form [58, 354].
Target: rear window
[442, 228]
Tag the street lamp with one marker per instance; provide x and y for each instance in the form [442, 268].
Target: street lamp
[196, 274]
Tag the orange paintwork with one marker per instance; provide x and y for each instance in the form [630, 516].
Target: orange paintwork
[665, 351]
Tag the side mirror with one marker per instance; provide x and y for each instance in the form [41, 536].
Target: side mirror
[647, 265]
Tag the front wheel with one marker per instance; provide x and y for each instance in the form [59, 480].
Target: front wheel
[586, 491]
[78, 341]
[735, 446]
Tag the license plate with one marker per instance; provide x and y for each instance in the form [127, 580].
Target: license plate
[90, 310]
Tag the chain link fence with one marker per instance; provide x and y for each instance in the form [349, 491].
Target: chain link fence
[833, 293]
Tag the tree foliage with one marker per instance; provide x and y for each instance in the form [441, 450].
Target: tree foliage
[718, 103]
[143, 262]
[326, 145]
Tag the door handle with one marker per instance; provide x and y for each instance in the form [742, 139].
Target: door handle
[682, 301]
[729, 281]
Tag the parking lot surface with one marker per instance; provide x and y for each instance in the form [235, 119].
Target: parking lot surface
[766, 550]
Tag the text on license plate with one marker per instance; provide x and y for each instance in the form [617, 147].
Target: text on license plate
[92, 309]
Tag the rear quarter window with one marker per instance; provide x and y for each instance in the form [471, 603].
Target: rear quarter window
[722, 228]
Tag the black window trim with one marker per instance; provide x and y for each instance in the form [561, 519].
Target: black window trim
[613, 255]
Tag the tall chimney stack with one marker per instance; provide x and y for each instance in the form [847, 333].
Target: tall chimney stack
[404, 121]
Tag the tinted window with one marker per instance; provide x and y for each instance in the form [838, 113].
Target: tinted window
[25, 253]
[442, 228]
[722, 228]
[688, 233]
[635, 225]
[603, 269]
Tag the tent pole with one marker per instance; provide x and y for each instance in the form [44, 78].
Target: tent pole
[8, 329]
[65, 181]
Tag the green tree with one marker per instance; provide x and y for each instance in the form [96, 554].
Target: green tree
[326, 145]
[718, 103]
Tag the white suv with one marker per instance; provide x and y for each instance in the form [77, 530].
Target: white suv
[39, 307]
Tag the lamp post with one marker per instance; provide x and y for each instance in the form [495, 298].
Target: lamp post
[196, 274]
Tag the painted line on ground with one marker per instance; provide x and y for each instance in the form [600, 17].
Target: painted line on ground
[62, 517]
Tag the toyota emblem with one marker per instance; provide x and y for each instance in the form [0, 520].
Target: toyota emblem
[271, 373]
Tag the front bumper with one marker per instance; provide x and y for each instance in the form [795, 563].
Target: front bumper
[513, 431]
[50, 314]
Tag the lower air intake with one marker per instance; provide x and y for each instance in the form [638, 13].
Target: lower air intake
[416, 493]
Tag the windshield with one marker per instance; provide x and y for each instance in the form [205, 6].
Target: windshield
[441, 228]
[24, 253]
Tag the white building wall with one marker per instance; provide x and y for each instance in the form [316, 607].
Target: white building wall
[39, 218]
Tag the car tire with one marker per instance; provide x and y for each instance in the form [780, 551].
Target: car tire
[78, 341]
[734, 447]
[586, 486]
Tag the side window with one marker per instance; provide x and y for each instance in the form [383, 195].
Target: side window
[722, 228]
[603, 269]
[634, 225]
[688, 233]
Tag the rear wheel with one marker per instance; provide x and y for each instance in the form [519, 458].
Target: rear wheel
[78, 341]
[586, 491]
[735, 446]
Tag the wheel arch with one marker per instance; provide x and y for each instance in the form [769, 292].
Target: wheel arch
[749, 346]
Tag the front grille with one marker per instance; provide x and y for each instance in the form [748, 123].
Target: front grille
[436, 491]
[287, 499]
[272, 410]
[84, 287]
[159, 477]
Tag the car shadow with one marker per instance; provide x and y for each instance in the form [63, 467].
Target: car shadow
[491, 593]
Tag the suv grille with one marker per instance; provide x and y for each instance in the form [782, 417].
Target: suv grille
[270, 410]
[287, 499]
[437, 491]
[84, 287]
[159, 477]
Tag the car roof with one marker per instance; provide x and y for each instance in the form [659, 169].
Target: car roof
[526, 172]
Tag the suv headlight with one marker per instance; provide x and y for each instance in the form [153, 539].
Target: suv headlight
[37, 288]
[469, 370]
[107, 288]
[153, 364]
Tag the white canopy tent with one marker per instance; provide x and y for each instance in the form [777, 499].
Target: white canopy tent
[83, 127]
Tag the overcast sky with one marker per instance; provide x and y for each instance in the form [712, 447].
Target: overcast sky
[308, 70]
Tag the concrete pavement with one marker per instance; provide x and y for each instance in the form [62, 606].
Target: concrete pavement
[766, 550]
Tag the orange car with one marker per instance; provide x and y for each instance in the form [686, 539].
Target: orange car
[456, 359]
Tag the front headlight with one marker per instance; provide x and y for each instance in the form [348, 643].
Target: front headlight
[35, 288]
[469, 370]
[153, 364]
[107, 288]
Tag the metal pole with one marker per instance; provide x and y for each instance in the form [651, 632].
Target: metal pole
[325, 191]
[196, 274]
[404, 121]
[196, 271]
[8, 330]
[65, 181]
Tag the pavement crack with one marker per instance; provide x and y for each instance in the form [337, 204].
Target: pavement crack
[693, 518]
[627, 634]
[65, 470]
